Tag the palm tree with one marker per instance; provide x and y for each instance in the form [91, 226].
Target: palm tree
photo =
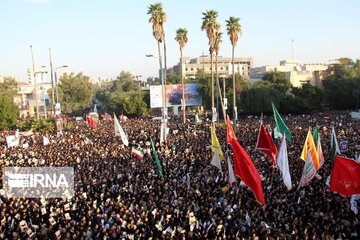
[157, 19]
[233, 30]
[218, 41]
[211, 26]
[182, 39]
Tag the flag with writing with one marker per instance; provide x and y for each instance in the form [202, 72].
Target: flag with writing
[283, 164]
[137, 153]
[309, 146]
[120, 132]
[244, 167]
[157, 159]
[335, 150]
[265, 144]
[280, 125]
[309, 171]
[345, 176]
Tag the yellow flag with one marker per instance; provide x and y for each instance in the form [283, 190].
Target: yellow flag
[215, 145]
[309, 145]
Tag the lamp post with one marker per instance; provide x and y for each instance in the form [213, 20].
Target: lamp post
[43, 86]
[35, 85]
[164, 112]
[56, 82]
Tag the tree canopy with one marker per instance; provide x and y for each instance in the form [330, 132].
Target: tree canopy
[76, 92]
[9, 112]
[124, 96]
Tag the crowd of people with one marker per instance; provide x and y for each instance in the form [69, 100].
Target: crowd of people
[118, 196]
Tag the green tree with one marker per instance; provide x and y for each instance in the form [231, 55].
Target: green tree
[211, 26]
[278, 80]
[258, 99]
[76, 92]
[130, 103]
[205, 90]
[234, 30]
[339, 92]
[8, 87]
[345, 68]
[310, 96]
[182, 39]
[9, 112]
[356, 68]
[172, 78]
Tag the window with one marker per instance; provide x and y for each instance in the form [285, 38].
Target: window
[192, 69]
[221, 68]
[186, 69]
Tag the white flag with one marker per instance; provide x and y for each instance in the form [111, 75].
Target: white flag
[216, 160]
[283, 163]
[309, 171]
[12, 141]
[353, 203]
[277, 134]
[120, 132]
[46, 141]
[232, 178]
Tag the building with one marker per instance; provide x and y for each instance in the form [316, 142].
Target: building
[297, 73]
[191, 66]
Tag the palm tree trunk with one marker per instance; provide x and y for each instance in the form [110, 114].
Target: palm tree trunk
[212, 85]
[183, 85]
[163, 90]
[217, 89]
[165, 66]
[234, 89]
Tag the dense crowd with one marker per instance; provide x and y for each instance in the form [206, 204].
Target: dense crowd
[118, 196]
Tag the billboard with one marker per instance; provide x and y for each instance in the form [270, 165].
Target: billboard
[174, 95]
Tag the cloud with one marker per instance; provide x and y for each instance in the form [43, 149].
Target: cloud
[36, 1]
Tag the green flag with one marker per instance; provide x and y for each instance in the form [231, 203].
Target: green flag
[316, 135]
[280, 125]
[334, 145]
[157, 159]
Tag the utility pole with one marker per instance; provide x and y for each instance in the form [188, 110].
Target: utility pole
[35, 86]
[52, 84]
[292, 49]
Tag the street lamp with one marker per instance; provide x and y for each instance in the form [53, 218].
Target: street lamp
[56, 82]
[43, 86]
[164, 112]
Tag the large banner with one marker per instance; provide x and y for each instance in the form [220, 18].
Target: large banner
[174, 95]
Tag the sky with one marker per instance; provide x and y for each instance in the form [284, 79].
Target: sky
[101, 38]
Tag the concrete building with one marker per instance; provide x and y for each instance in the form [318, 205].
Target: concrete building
[191, 66]
[297, 73]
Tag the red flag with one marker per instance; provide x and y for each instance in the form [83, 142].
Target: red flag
[91, 121]
[266, 145]
[345, 176]
[244, 167]
[230, 135]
